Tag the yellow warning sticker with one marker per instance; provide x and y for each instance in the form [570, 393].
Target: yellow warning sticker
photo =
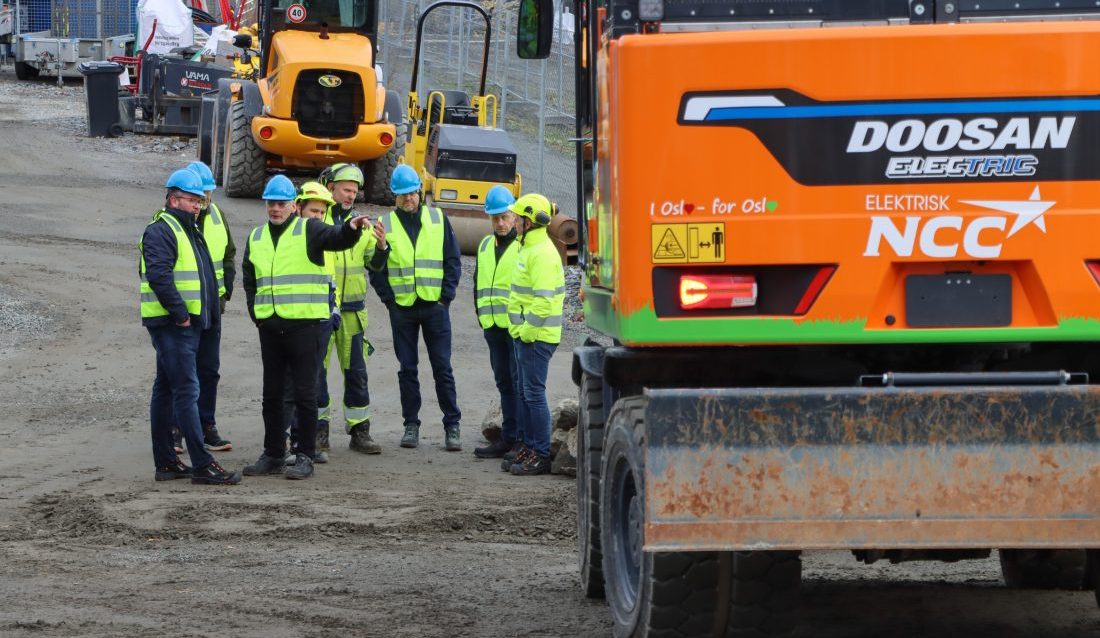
[688, 243]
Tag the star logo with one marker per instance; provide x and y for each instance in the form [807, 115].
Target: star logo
[1027, 212]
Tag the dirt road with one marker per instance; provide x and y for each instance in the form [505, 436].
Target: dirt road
[409, 543]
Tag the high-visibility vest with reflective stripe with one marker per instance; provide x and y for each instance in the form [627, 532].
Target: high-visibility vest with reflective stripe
[494, 280]
[538, 291]
[185, 273]
[415, 271]
[349, 266]
[217, 239]
[287, 282]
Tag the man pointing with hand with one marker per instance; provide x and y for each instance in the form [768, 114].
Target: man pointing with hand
[287, 289]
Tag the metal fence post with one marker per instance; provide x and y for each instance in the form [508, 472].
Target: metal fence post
[384, 30]
[542, 125]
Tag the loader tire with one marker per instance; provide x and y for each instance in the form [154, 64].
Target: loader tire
[764, 594]
[651, 594]
[1043, 568]
[24, 71]
[590, 431]
[244, 163]
[379, 171]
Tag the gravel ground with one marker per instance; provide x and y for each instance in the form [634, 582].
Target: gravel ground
[23, 322]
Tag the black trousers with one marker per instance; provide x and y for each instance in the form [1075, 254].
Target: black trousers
[290, 353]
[290, 408]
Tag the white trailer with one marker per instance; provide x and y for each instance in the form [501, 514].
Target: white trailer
[52, 37]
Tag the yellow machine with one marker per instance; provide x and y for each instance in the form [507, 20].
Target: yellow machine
[317, 99]
[455, 145]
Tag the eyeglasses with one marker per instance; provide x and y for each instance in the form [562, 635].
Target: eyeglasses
[189, 200]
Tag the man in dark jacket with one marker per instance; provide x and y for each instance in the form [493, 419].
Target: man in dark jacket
[179, 307]
[415, 271]
[287, 288]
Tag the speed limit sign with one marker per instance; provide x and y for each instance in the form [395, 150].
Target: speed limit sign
[296, 13]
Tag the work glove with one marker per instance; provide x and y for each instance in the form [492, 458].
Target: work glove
[334, 320]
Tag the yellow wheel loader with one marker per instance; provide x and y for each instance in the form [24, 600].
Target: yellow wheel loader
[455, 145]
[318, 99]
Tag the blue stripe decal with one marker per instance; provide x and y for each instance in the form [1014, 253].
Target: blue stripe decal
[902, 108]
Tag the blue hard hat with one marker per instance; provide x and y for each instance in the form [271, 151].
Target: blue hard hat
[498, 200]
[404, 180]
[204, 172]
[186, 181]
[279, 189]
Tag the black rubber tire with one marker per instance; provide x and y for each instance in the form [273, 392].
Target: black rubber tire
[218, 127]
[764, 594]
[650, 594]
[1092, 573]
[590, 431]
[204, 141]
[1043, 568]
[378, 172]
[245, 163]
[24, 71]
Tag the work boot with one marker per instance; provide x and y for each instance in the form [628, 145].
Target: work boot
[213, 441]
[174, 470]
[177, 440]
[412, 436]
[292, 457]
[215, 474]
[322, 435]
[303, 468]
[532, 465]
[494, 450]
[362, 442]
[451, 442]
[515, 455]
[265, 465]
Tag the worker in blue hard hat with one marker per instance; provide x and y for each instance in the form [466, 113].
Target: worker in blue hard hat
[496, 259]
[214, 227]
[415, 271]
[286, 286]
[179, 307]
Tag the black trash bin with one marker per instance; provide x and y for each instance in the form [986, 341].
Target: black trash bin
[101, 95]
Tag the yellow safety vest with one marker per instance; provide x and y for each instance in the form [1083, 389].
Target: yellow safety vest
[538, 291]
[415, 271]
[494, 281]
[217, 240]
[349, 267]
[287, 282]
[185, 273]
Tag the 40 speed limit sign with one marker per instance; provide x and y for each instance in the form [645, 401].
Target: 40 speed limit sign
[296, 13]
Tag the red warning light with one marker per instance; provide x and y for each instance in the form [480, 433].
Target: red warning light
[717, 291]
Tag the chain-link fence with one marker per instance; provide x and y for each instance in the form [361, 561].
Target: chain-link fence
[536, 96]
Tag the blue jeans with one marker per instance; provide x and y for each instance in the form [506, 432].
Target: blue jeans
[406, 323]
[209, 361]
[175, 399]
[534, 363]
[502, 358]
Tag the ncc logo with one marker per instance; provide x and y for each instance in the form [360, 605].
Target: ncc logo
[949, 236]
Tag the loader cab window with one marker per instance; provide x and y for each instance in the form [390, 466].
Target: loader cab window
[334, 13]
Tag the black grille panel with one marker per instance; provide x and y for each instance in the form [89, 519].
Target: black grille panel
[326, 111]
